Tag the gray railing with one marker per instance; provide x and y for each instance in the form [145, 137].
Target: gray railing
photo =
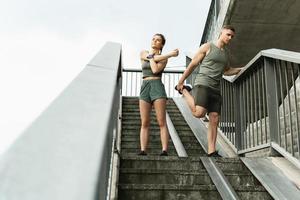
[65, 154]
[261, 105]
[132, 79]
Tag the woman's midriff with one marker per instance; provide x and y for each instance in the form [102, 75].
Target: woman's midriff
[151, 78]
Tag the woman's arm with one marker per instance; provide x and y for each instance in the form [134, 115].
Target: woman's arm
[157, 67]
[143, 55]
[158, 58]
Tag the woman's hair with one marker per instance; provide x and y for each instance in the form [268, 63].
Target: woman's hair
[163, 39]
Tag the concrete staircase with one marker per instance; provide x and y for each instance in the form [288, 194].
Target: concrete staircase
[157, 177]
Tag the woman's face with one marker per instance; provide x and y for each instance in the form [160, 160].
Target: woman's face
[157, 42]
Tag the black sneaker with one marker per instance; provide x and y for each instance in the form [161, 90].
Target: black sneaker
[214, 154]
[142, 153]
[205, 119]
[188, 88]
[164, 153]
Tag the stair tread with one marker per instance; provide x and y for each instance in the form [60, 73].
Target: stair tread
[165, 171]
[166, 187]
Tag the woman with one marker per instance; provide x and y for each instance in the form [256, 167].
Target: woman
[153, 92]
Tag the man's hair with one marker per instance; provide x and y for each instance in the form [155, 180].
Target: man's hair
[229, 27]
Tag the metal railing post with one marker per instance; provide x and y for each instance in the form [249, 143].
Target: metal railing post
[272, 105]
[238, 113]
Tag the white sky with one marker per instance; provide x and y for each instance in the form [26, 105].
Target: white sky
[44, 44]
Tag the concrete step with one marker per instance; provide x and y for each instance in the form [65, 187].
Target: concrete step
[128, 118]
[167, 192]
[150, 151]
[184, 192]
[152, 145]
[241, 179]
[137, 122]
[152, 127]
[136, 141]
[231, 165]
[136, 106]
[157, 144]
[164, 176]
[157, 150]
[154, 131]
[152, 114]
[160, 162]
[135, 137]
[137, 109]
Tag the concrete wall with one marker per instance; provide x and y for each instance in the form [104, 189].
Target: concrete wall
[65, 152]
[260, 24]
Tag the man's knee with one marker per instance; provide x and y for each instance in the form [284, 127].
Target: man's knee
[199, 112]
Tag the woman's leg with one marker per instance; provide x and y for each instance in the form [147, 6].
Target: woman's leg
[160, 109]
[145, 109]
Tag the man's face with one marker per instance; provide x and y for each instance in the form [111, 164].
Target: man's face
[227, 35]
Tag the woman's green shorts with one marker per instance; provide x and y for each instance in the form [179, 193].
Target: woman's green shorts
[152, 90]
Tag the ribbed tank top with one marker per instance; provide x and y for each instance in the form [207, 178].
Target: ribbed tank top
[212, 67]
[146, 70]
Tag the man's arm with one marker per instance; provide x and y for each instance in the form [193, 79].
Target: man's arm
[198, 57]
[229, 71]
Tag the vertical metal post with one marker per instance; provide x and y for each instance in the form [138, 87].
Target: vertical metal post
[271, 92]
[289, 107]
[239, 112]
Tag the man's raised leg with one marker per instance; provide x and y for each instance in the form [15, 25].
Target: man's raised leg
[197, 111]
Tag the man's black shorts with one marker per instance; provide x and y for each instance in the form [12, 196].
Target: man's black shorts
[208, 98]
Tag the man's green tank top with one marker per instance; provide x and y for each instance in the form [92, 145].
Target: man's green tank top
[146, 70]
[212, 67]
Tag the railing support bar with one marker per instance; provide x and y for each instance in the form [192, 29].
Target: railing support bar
[272, 104]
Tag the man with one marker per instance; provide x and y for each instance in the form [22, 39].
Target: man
[206, 97]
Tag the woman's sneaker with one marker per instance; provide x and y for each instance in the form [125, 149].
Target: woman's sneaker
[142, 153]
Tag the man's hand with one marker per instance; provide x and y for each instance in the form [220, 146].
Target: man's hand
[179, 87]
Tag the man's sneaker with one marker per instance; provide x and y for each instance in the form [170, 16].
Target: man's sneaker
[164, 153]
[205, 118]
[188, 88]
[214, 154]
[142, 153]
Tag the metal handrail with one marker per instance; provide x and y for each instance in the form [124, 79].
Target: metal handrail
[69, 146]
[279, 54]
[261, 103]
